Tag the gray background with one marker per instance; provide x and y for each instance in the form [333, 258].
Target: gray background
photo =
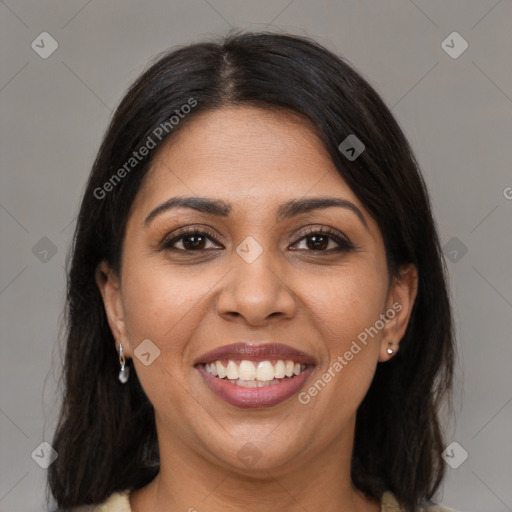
[455, 111]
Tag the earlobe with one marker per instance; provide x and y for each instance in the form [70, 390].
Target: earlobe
[401, 301]
[390, 350]
[108, 284]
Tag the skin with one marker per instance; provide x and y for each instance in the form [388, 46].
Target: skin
[190, 302]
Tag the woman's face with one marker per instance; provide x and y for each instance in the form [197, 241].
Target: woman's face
[259, 276]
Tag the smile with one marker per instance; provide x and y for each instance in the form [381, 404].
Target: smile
[249, 375]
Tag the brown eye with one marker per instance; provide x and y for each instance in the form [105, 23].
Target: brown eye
[317, 242]
[192, 240]
[322, 240]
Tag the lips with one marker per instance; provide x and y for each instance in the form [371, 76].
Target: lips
[261, 352]
[248, 398]
[252, 376]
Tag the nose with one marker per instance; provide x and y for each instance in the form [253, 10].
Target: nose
[255, 293]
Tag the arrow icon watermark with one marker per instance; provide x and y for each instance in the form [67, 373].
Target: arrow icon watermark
[351, 147]
[249, 250]
[147, 352]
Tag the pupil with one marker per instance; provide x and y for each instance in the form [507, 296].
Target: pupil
[197, 241]
[318, 242]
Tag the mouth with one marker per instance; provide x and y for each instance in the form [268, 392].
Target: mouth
[256, 374]
[251, 376]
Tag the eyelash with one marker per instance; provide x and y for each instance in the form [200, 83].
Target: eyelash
[343, 243]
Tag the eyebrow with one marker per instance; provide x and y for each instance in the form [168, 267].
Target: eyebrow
[287, 210]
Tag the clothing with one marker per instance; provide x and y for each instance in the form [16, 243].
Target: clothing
[119, 502]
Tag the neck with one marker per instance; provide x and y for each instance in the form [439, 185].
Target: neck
[187, 481]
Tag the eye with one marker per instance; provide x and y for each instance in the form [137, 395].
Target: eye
[322, 240]
[190, 239]
[197, 240]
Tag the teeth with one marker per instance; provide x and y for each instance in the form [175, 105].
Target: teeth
[249, 374]
[221, 371]
[246, 371]
[280, 370]
[232, 370]
[254, 383]
[265, 371]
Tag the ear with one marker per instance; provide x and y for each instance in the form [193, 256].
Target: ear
[401, 297]
[109, 285]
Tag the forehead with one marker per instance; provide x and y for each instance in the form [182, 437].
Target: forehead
[251, 157]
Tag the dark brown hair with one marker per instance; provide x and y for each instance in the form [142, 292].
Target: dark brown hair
[106, 436]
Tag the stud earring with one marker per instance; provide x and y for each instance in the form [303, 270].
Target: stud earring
[390, 350]
[124, 373]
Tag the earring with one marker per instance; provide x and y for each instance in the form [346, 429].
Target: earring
[390, 350]
[124, 373]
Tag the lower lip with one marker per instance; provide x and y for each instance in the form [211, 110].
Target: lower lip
[248, 398]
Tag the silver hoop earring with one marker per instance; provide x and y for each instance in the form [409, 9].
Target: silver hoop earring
[124, 373]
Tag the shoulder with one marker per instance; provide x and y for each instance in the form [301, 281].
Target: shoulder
[116, 502]
[390, 504]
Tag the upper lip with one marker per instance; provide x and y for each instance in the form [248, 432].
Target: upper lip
[256, 352]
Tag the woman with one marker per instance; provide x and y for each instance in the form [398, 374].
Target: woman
[257, 308]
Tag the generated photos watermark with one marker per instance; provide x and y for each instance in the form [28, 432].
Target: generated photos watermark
[158, 133]
[342, 360]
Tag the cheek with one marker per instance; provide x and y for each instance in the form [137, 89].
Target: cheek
[343, 311]
[159, 301]
[164, 306]
[345, 304]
